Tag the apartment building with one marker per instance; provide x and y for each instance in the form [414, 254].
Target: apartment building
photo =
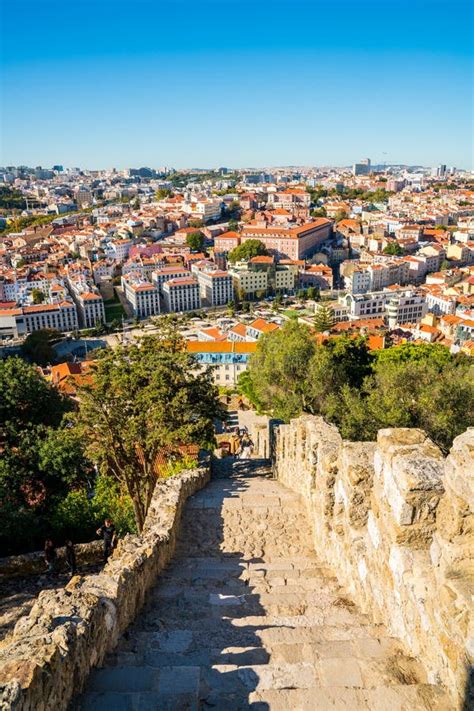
[160, 276]
[338, 309]
[317, 275]
[405, 307]
[204, 209]
[365, 306]
[143, 296]
[292, 243]
[216, 287]
[226, 242]
[248, 283]
[119, 249]
[89, 302]
[439, 303]
[182, 294]
[17, 322]
[289, 199]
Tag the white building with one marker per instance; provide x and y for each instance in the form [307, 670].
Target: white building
[18, 322]
[160, 276]
[365, 306]
[216, 287]
[405, 307]
[182, 294]
[143, 296]
[205, 209]
[89, 302]
[118, 249]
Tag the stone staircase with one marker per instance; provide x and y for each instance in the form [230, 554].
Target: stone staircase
[247, 617]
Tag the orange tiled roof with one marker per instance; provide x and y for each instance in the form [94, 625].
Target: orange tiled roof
[264, 326]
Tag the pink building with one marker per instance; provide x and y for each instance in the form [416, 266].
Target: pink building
[293, 243]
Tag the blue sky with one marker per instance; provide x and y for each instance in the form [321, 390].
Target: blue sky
[102, 83]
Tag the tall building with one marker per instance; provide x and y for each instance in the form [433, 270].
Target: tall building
[362, 168]
[142, 296]
[83, 195]
[216, 287]
[182, 294]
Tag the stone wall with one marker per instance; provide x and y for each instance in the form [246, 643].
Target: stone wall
[48, 656]
[396, 521]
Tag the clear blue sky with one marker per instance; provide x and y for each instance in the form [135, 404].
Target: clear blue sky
[102, 83]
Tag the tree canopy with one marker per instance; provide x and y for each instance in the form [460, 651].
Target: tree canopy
[195, 241]
[144, 401]
[248, 249]
[361, 392]
[324, 319]
[163, 193]
[11, 199]
[41, 459]
[393, 248]
[38, 345]
[37, 296]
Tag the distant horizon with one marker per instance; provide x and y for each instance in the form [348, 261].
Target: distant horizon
[297, 82]
[216, 168]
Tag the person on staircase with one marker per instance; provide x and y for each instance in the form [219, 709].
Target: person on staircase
[108, 534]
[50, 556]
[71, 557]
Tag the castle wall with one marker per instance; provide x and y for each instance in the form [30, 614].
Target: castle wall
[47, 657]
[396, 521]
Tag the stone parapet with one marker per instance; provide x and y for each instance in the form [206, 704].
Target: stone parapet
[396, 521]
[49, 654]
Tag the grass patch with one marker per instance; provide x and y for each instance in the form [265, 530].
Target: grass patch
[113, 311]
[294, 313]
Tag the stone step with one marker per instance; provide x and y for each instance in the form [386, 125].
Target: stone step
[246, 616]
[393, 698]
[132, 679]
[144, 701]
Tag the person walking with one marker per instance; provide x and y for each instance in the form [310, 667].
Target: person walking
[50, 555]
[108, 535]
[71, 557]
[246, 447]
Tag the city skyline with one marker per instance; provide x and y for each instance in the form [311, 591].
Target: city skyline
[238, 85]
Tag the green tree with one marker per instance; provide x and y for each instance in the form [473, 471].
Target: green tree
[248, 249]
[41, 460]
[319, 212]
[341, 362]
[302, 294]
[393, 248]
[324, 319]
[11, 199]
[412, 385]
[195, 241]
[145, 400]
[163, 193]
[314, 293]
[38, 346]
[418, 393]
[37, 296]
[341, 215]
[233, 225]
[278, 371]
